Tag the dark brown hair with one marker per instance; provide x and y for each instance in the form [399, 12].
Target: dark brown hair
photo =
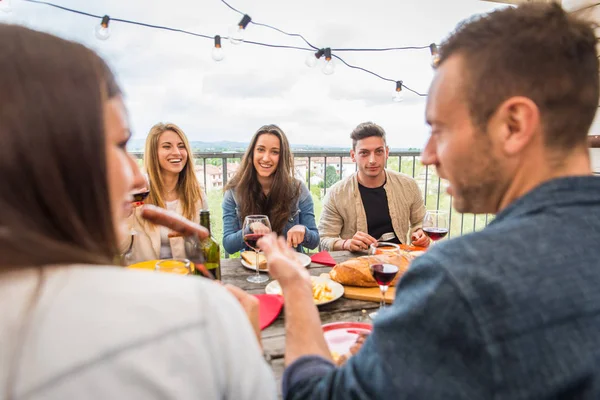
[537, 51]
[366, 130]
[284, 190]
[54, 201]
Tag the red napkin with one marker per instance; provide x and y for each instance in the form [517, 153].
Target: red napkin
[324, 258]
[269, 308]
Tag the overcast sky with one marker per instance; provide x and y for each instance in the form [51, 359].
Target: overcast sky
[171, 77]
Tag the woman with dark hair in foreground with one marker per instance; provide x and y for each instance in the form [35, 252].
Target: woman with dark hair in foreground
[72, 324]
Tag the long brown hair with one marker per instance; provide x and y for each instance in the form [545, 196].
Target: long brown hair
[54, 201]
[284, 190]
[188, 188]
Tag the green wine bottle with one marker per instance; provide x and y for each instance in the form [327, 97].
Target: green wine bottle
[210, 248]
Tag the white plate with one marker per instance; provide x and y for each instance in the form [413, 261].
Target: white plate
[337, 289]
[303, 258]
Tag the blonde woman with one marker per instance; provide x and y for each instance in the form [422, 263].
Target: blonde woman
[173, 185]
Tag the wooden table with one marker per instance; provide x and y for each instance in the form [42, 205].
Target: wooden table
[273, 337]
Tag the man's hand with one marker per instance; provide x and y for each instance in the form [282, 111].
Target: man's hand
[295, 235]
[419, 238]
[250, 305]
[282, 262]
[359, 242]
[179, 225]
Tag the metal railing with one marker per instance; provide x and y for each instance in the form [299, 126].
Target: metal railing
[316, 164]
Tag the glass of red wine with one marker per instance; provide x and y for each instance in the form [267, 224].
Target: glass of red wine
[139, 195]
[383, 274]
[435, 224]
[255, 227]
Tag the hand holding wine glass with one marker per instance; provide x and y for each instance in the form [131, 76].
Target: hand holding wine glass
[435, 224]
[255, 227]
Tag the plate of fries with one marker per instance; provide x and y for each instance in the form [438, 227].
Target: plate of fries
[324, 289]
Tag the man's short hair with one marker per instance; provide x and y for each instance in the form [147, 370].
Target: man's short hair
[537, 51]
[366, 130]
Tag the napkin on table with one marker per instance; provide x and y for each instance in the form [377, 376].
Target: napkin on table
[268, 309]
[324, 258]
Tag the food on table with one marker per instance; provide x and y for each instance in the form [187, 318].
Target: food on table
[250, 258]
[340, 359]
[322, 292]
[356, 271]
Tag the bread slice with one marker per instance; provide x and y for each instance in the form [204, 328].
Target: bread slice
[250, 258]
[356, 272]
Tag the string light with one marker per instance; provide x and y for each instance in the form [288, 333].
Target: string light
[102, 30]
[435, 56]
[217, 52]
[329, 66]
[398, 95]
[5, 6]
[312, 59]
[236, 33]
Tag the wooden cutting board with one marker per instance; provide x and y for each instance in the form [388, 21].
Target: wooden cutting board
[368, 293]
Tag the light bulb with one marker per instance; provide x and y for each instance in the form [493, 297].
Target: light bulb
[329, 66]
[435, 56]
[313, 58]
[102, 30]
[398, 95]
[217, 52]
[236, 33]
[5, 6]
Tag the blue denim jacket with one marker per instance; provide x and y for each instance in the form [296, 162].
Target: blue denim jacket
[302, 214]
[511, 312]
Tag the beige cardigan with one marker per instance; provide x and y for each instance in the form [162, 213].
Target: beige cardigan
[146, 244]
[344, 214]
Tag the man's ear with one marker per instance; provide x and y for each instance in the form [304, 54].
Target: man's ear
[515, 123]
[352, 155]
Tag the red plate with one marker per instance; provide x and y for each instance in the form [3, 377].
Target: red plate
[341, 335]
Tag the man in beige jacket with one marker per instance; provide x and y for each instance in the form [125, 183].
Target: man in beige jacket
[374, 203]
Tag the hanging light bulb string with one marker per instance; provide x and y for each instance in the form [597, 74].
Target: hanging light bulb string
[270, 45]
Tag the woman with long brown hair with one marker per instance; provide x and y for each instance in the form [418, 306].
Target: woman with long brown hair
[72, 323]
[264, 184]
[173, 185]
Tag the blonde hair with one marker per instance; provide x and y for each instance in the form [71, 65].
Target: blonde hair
[188, 188]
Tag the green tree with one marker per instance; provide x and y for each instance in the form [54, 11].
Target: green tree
[332, 177]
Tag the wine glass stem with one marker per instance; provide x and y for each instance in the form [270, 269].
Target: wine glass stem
[383, 290]
[257, 266]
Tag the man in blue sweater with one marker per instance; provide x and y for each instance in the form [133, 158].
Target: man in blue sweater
[511, 312]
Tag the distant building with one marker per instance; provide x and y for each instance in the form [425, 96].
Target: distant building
[214, 175]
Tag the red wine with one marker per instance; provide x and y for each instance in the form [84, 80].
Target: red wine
[435, 233]
[251, 239]
[384, 273]
[141, 196]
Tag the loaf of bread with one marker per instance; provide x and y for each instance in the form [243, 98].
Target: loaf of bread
[250, 258]
[356, 272]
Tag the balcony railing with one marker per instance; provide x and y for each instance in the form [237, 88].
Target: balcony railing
[311, 167]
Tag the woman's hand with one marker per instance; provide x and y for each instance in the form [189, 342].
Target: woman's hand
[250, 305]
[295, 235]
[179, 225]
[259, 228]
